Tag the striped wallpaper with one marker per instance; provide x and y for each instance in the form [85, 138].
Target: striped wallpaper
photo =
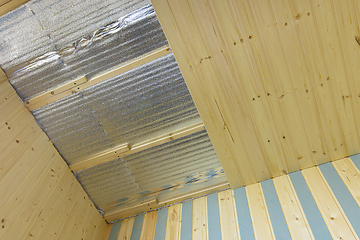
[317, 203]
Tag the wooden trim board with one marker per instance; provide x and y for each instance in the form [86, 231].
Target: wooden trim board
[82, 83]
[125, 149]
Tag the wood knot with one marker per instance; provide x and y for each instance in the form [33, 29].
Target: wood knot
[357, 39]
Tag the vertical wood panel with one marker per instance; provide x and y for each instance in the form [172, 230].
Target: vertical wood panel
[228, 217]
[126, 229]
[149, 226]
[350, 175]
[259, 213]
[200, 220]
[173, 223]
[343, 196]
[296, 221]
[329, 207]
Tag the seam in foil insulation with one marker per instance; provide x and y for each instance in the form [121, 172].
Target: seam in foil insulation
[178, 167]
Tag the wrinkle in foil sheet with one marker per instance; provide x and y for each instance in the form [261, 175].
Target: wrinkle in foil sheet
[40, 26]
[129, 37]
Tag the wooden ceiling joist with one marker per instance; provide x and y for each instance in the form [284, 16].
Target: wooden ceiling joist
[83, 83]
[126, 149]
[8, 5]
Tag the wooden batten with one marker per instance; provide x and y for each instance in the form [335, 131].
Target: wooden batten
[125, 149]
[8, 5]
[82, 83]
[126, 211]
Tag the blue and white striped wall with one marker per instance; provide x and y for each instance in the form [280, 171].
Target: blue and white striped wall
[316, 203]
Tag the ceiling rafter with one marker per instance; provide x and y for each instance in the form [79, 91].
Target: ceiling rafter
[83, 83]
[125, 149]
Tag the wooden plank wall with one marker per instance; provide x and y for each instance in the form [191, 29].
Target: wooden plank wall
[275, 82]
[39, 196]
[321, 202]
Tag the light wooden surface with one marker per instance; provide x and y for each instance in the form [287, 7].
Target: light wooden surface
[149, 225]
[199, 220]
[126, 229]
[228, 217]
[258, 211]
[82, 83]
[8, 5]
[334, 217]
[38, 191]
[173, 223]
[350, 175]
[275, 82]
[126, 211]
[289, 191]
[294, 215]
[125, 150]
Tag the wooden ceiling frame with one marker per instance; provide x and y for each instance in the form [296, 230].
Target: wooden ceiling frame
[126, 149]
[83, 83]
[8, 5]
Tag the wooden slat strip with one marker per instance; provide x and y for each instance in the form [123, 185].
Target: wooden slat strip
[125, 149]
[350, 175]
[137, 227]
[200, 221]
[329, 207]
[296, 221]
[161, 224]
[324, 15]
[343, 196]
[356, 160]
[3, 77]
[186, 221]
[41, 97]
[259, 213]
[243, 214]
[126, 229]
[213, 217]
[9, 5]
[277, 218]
[173, 223]
[312, 213]
[108, 231]
[115, 229]
[149, 226]
[97, 79]
[228, 218]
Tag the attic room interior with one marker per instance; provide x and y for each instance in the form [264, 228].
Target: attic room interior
[196, 119]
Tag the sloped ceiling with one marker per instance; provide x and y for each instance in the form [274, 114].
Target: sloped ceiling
[102, 82]
[275, 82]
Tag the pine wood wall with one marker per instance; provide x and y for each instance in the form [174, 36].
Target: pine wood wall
[321, 202]
[39, 196]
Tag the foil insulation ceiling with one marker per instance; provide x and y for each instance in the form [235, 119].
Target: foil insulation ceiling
[142, 103]
[154, 172]
[49, 43]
